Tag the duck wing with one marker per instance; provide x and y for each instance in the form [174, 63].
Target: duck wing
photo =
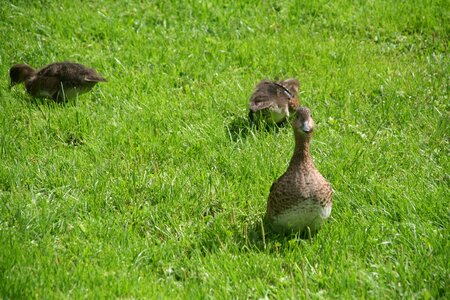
[71, 73]
[43, 86]
[268, 94]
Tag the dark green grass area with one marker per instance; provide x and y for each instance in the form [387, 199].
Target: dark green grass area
[154, 185]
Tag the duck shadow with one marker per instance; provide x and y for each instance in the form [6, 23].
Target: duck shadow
[261, 236]
[46, 102]
[249, 236]
[39, 102]
[240, 127]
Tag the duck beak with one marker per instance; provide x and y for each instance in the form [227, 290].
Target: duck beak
[306, 128]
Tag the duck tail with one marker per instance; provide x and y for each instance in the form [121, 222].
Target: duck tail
[95, 78]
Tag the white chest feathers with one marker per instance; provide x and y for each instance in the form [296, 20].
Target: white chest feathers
[279, 113]
[308, 213]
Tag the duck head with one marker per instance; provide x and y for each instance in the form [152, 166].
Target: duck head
[19, 73]
[303, 123]
[293, 86]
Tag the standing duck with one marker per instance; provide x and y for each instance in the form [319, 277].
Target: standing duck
[59, 81]
[273, 101]
[301, 198]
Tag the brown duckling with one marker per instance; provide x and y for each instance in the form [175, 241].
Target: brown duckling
[59, 81]
[301, 198]
[272, 101]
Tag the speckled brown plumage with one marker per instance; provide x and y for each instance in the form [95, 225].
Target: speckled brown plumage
[301, 197]
[59, 81]
[273, 101]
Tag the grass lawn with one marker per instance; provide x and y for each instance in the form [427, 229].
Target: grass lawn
[154, 186]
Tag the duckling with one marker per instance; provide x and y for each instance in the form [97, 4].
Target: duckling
[301, 198]
[273, 101]
[59, 81]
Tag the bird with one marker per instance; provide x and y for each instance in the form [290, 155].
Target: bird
[273, 101]
[301, 199]
[59, 81]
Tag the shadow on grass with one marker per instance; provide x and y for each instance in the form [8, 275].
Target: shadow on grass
[262, 236]
[43, 101]
[49, 102]
[241, 127]
[255, 235]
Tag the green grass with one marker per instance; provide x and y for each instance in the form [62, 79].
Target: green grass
[153, 185]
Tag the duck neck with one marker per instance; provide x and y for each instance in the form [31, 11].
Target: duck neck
[301, 152]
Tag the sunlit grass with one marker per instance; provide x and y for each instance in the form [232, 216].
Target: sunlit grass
[154, 185]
